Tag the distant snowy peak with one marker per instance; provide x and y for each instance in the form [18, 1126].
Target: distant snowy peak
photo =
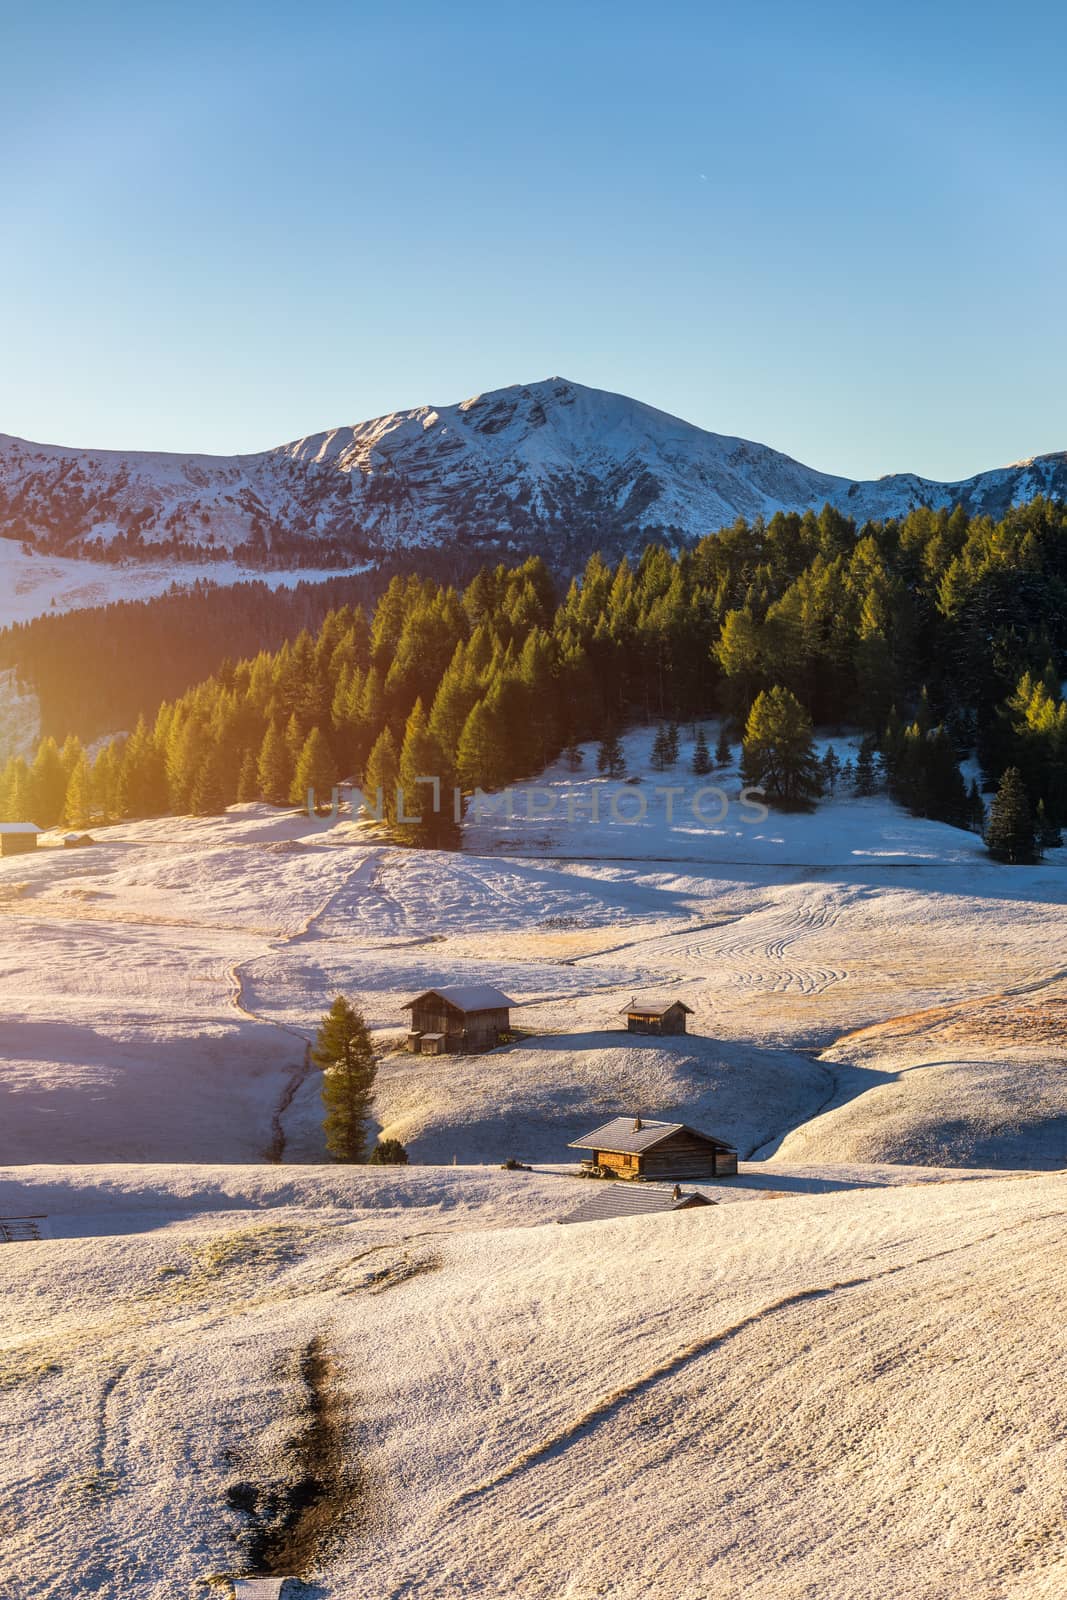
[552, 466]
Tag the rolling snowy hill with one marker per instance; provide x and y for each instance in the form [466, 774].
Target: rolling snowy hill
[554, 467]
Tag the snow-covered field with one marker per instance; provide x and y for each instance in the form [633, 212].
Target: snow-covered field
[31, 585]
[850, 1393]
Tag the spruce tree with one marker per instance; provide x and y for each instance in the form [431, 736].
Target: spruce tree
[388, 1153]
[208, 798]
[610, 759]
[573, 756]
[724, 754]
[701, 763]
[1049, 836]
[248, 779]
[778, 751]
[866, 781]
[344, 1052]
[78, 808]
[382, 775]
[672, 744]
[315, 774]
[420, 757]
[660, 750]
[1009, 834]
[274, 769]
[47, 785]
[831, 770]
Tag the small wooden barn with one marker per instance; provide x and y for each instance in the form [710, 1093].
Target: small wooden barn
[633, 1147]
[656, 1016]
[17, 838]
[462, 1019]
[611, 1200]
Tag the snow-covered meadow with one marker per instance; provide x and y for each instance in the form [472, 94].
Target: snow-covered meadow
[847, 1393]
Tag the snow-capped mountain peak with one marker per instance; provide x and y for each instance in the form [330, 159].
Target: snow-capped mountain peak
[552, 466]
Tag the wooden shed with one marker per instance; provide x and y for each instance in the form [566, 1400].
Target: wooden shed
[633, 1147]
[656, 1016]
[17, 838]
[460, 1020]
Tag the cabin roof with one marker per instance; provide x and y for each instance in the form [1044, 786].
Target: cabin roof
[622, 1135]
[465, 997]
[19, 827]
[632, 1200]
[654, 1008]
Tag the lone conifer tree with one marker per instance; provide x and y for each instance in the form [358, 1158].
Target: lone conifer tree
[343, 1050]
[701, 755]
[610, 761]
[1009, 834]
[778, 754]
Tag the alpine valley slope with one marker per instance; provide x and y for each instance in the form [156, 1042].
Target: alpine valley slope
[554, 467]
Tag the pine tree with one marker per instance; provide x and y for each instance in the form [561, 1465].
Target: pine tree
[208, 798]
[382, 775]
[1009, 834]
[482, 760]
[344, 1052]
[420, 757]
[831, 770]
[866, 781]
[388, 1153]
[1049, 836]
[701, 763]
[47, 785]
[778, 751]
[573, 756]
[315, 773]
[672, 744]
[78, 807]
[660, 750]
[610, 759]
[724, 754]
[274, 769]
[248, 779]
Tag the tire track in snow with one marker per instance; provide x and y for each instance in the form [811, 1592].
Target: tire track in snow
[275, 1151]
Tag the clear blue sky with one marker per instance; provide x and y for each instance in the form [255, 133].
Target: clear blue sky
[835, 229]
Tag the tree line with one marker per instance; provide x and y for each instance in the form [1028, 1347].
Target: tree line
[935, 635]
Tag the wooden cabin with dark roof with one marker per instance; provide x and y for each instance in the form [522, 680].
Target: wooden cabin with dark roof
[463, 1019]
[635, 1147]
[18, 838]
[656, 1016]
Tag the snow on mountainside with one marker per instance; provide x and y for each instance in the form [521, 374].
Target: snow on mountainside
[553, 466]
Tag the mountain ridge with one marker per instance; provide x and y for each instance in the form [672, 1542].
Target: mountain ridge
[553, 466]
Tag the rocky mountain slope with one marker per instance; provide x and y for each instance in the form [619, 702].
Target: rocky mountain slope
[553, 466]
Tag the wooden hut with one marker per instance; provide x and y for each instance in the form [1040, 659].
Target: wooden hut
[17, 838]
[656, 1016]
[460, 1020]
[633, 1147]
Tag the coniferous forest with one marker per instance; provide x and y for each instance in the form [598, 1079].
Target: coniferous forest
[938, 636]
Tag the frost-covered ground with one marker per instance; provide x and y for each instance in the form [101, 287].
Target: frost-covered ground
[854, 1392]
[850, 1393]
